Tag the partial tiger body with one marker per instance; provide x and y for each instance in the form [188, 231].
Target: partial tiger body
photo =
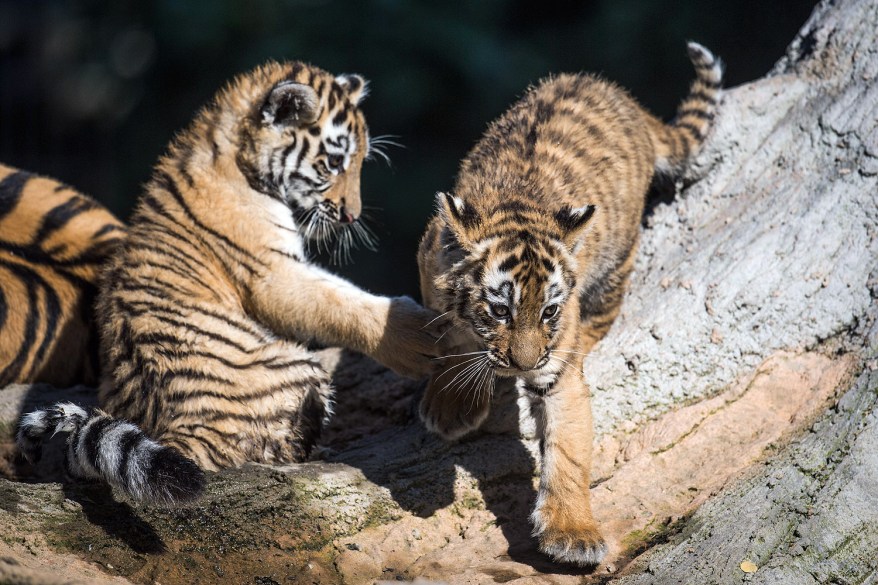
[191, 366]
[53, 242]
[205, 309]
[530, 256]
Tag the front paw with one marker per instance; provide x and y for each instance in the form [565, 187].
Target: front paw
[452, 412]
[409, 344]
[575, 541]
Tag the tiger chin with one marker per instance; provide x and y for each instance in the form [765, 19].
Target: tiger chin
[529, 258]
[205, 309]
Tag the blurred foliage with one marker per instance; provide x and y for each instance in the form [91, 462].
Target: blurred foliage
[92, 90]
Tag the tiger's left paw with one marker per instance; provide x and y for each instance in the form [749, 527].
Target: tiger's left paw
[575, 543]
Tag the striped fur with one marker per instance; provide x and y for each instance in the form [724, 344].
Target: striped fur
[53, 241]
[205, 307]
[101, 447]
[529, 258]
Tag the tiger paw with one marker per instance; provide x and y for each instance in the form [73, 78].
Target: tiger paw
[451, 411]
[575, 543]
[409, 345]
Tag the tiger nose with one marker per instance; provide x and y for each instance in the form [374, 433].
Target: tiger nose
[345, 216]
[525, 355]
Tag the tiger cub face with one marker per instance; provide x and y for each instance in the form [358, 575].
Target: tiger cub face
[511, 278]
[304, 141]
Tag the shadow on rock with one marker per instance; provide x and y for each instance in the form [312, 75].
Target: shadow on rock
[117, 519]
[377, 430]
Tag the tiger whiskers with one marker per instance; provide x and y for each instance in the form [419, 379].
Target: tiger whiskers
[379, 144]
[433, 321]
[442, 357]
[485, 384]
[465, 376]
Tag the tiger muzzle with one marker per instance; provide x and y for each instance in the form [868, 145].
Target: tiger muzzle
[526, 351]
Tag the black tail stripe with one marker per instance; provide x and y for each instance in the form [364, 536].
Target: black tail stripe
[129, 442]
[702, 95]
[694, 113]
[91, 442]
[692, 129]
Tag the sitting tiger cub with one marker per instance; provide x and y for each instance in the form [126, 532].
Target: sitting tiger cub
[204, 308]
[530, 256]
[53, 243]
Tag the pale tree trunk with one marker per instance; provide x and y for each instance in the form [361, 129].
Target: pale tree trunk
[733, 399]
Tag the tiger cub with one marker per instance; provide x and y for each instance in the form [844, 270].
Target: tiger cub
[205, 308]
[53, 241]
[530, 255]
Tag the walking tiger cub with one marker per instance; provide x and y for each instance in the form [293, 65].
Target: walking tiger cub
[53, 241]
[205, 306]
[530, 255]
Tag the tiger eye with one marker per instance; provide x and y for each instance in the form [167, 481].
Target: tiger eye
[499, 310]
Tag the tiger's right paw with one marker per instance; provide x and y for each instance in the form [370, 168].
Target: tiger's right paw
[452, 412]
[410, 344]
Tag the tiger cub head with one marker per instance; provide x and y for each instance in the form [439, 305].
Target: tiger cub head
[513, 271]
[302, 138]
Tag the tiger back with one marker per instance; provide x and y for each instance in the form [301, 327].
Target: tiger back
[53, 243]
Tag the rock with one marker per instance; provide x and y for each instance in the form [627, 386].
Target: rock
[733, 399]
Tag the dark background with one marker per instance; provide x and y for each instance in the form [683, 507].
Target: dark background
[91, 91]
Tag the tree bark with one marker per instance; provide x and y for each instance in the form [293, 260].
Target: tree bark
[733, 399]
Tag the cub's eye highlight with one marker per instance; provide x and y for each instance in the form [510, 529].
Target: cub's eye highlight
[499, 311]
[550, 311]
[335, 162]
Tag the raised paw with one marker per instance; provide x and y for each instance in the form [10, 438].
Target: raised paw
[452, 412]
[569, 541]
[409, 343]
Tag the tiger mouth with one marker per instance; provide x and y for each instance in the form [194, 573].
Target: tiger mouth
[507, 369]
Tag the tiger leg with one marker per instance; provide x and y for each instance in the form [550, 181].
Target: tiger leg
[274, 415]
[562, 517]
[458, 398]
[599, 309]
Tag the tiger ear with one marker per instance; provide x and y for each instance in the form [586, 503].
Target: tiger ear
[356, 86]
[459, 215]
[573, 222]
[290, 104]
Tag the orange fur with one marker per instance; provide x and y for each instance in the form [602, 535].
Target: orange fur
[205, 309]
[53, 241]
[530, 256]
